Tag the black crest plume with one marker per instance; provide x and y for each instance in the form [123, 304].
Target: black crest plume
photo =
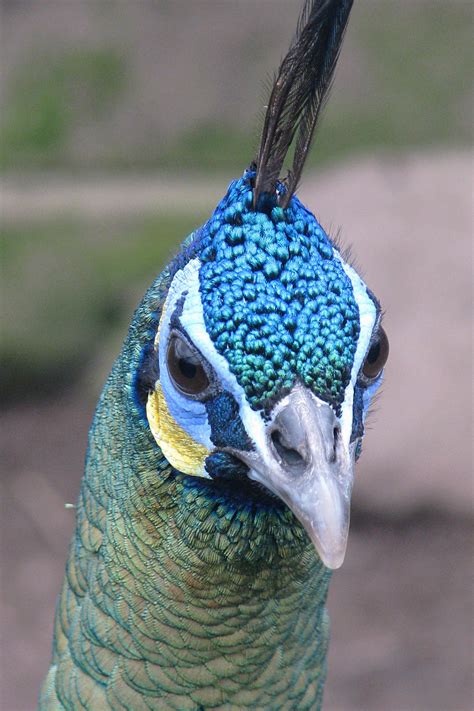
[299, 92]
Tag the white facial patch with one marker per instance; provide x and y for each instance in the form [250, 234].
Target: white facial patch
[190, 414]
[367, 319]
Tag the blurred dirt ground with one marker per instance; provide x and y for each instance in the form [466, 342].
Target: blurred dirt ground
[401, 606]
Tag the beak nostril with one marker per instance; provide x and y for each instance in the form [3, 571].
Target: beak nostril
[291, 457]
[335, 435]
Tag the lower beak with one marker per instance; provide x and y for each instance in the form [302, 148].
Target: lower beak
[304, 461]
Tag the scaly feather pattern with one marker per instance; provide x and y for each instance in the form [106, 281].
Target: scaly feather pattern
[180, 594]
[216, 493]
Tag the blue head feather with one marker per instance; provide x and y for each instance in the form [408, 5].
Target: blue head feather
[277, 302]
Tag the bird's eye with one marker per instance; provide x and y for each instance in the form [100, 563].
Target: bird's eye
[185, 367]
[377, 355]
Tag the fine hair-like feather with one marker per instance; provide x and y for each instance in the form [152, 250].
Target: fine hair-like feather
[299, 93]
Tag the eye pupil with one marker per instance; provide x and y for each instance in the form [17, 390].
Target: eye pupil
[185, 367]
[377, 356]
[373, 353]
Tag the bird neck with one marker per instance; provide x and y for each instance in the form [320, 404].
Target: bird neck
[217, 599]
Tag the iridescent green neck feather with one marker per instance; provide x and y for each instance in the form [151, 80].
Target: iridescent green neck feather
[217, 489]
[177, 596]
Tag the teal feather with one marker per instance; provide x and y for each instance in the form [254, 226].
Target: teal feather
[175, 597]
[190, 583]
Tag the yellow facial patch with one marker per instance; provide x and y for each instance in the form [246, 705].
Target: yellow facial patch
[182, 452]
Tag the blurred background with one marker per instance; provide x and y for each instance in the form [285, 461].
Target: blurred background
[122, 123]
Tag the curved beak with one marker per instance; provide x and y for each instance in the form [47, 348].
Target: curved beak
[303, 460]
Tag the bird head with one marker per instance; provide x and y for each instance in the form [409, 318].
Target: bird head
[268, 351]
[270, 346]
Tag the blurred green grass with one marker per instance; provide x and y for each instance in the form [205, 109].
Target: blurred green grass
[417, 58]
[48, 96]
[69, 285]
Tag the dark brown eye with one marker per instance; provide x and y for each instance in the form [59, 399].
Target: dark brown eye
[185, 367]
[377, 355]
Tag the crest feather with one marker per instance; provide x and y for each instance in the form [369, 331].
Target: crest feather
[299, 93]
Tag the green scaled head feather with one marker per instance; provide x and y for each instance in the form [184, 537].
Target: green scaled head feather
[220, 465]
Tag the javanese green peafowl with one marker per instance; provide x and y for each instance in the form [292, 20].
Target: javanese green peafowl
[216, 493]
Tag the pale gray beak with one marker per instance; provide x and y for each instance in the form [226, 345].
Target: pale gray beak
[303, 460]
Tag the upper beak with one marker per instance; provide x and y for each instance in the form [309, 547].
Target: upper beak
[303, 460]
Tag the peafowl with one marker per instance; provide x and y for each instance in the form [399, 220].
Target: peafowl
[216, 494]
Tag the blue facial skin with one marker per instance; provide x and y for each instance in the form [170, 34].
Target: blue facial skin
[277, 302]
[278, 306]
[227, 429]
[280, 309]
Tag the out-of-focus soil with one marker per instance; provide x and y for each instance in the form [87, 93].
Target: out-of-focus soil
[401, 606]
